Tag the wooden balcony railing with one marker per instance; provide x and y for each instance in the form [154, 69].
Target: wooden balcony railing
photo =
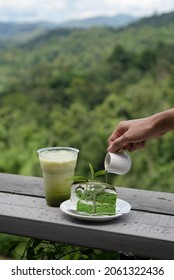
[148, 230]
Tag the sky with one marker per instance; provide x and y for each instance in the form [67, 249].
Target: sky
[64, 10]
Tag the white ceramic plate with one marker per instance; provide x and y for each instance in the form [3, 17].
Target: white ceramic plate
[123, 207]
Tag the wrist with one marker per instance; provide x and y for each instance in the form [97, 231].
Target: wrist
[163, 122]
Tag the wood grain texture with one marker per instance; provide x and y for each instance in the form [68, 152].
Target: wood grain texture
[148, 230]
[18, 184]
[151, 201]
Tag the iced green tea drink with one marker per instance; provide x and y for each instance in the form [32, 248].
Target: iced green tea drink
[58, 165]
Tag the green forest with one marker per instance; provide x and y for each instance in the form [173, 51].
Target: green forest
[71, 87]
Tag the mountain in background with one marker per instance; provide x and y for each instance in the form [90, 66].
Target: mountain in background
[27, 31]
[11, 30]
[78, 77]
[114, 21]
[156, 20]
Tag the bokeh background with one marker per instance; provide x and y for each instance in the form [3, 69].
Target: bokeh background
[70, 71]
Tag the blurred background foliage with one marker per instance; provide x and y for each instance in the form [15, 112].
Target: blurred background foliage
[72, 87]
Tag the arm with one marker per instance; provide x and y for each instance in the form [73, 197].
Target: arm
[132, 134]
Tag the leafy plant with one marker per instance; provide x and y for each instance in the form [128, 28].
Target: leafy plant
[94, 175]
[47, 250]
[11, 247]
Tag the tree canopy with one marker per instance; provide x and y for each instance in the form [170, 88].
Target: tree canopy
[71, 88]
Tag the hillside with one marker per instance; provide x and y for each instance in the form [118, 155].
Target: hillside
[164, 20]
[71, 87]
[101, 21]
[23, 32]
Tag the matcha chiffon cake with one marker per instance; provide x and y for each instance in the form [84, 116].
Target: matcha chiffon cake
[94, 198]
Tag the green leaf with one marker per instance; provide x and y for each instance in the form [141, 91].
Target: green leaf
[79, 179]
[13, 246]
[91, 169]
[100, 173]
[36, 243]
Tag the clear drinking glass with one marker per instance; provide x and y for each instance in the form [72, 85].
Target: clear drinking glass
[58, 165]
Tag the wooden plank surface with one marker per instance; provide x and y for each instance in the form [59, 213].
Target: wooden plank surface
[144, 234]
[17, 184]
[155, 202]
[148, 230]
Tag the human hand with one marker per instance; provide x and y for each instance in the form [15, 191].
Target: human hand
[130, 135]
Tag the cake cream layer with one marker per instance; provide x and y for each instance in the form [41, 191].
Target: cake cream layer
[93, 197]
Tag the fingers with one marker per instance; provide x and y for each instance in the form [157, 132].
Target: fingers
[120, 143]
[117, 144]
[113, 137]
[131, 147]
[128, 135]
[118, 132]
